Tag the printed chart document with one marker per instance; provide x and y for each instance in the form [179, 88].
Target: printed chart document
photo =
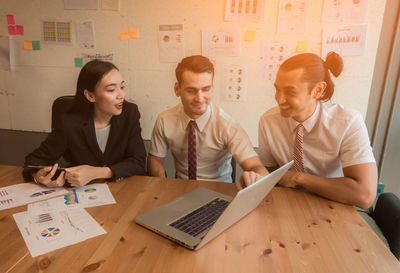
[24, 193]
[220, 42]
[48, 231]
[83, 197]
[170, 43]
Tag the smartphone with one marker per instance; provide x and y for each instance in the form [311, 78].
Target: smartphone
[38, 167]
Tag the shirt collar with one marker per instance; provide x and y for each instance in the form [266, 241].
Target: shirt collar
[308, 123]
[201, 121]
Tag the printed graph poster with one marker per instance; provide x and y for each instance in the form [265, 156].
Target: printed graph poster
[354, 11]
[235, 82]
[57, 32]
[220, 42]
[244, 10]
[170, 43]
[344, 40]
[292, 16]
[85, 34]
[273, 55]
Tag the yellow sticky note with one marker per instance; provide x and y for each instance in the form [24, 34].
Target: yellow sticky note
[124, 35]
[27, 45]
[302, 46]
[250, 36]
[133, 33]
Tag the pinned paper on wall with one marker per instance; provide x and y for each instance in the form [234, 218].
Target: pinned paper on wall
[28, 45]
[250, 36]
[273, 55]
[5, 63]
[244, 10]
[12, 30]
[81, 4]
[170, 43]
[110, 5]
[133, 33]
[235, 82]
[20, 30]
[344, 40]
[85, 34]
[354, 11]
[10, 19]
[36, 45]
[220, 42]
[104, 57]
[57, 32]
[292, 16]
[302, 46]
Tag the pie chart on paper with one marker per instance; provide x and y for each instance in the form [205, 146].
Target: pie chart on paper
[50, 232]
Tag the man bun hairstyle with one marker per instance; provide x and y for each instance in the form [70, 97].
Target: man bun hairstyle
[316, 70]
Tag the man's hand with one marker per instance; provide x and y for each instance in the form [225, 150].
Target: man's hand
[289, 179]
[247, 178]
[43, 176]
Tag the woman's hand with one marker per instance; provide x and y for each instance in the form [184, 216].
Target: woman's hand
[43, 176]
[81, 175]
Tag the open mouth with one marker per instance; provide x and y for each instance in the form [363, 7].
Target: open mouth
[119, 106]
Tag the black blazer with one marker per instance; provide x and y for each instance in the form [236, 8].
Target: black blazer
[74, 138]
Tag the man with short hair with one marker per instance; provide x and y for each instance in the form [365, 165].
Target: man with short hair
[201, 136]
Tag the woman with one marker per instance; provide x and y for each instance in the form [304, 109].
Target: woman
[100, 137]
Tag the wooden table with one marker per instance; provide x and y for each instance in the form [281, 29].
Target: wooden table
[291, 231]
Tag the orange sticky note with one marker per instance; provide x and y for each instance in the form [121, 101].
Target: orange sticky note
[133, 33]
[124, 35]
[27, 45]
[302, 46]
[250, 36]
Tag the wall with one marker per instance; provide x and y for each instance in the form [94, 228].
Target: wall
[38, 77]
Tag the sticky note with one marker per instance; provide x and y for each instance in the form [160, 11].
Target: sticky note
[133, 33]
[36, 45]
[302, 46]
[12, 30]
[10, 19]
[27, 45]
[124, 35]
[78, 62]
[250, 36]
[20, 30]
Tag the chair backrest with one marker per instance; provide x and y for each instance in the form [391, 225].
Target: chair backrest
[387, 217]
[60, 106]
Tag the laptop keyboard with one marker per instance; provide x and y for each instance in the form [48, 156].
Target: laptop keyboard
[202, 218]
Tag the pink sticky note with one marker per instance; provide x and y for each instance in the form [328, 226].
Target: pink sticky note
[12, 30]
[20, 30]
[10, 19]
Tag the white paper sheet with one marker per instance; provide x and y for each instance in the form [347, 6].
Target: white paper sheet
[24, 193]
[5, 60]
[110, 5]
[292, 16]
[354, 11]
[235, 87]
[85, 34]
[344, 40]
[81, 4]
[83, 197]
[273, 55]
[244, 10]
[45, 232]
[170, 43]
[220, 42]
[104, 57]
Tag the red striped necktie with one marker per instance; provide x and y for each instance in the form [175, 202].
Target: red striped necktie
[192, 157]
[298, 165]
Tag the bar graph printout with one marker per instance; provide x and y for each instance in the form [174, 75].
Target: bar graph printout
[244, 10]
[24, 193]
[47, 231]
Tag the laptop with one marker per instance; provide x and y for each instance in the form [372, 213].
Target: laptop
[197, 217]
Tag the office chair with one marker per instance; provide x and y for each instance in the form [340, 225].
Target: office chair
[60, 106]
[387, 216]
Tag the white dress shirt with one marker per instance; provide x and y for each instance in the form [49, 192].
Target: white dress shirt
[335, 137]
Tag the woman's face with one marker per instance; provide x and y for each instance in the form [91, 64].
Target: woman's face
[109, 94]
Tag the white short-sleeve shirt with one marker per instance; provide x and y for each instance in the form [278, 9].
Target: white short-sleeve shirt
[218, 138]
[335, 137]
